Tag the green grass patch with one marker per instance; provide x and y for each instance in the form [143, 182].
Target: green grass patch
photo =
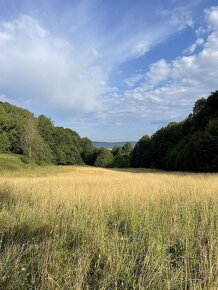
[10, 161]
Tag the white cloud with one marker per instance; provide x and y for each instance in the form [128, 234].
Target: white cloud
[170, 88]
[199, 41]
[133, 80]
[39, 68]
[179, 17]
[212, 17]
[158, 72]
[47, 73]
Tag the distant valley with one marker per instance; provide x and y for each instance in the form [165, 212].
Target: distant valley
[110, 145]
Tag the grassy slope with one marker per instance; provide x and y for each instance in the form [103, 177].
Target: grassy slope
[92, 228]
[10, 161]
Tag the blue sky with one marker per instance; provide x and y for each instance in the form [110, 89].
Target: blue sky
[111, 70]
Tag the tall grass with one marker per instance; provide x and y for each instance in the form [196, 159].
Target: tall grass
[89, 228]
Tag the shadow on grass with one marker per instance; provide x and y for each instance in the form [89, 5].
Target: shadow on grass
[24, 234]
[159, 171]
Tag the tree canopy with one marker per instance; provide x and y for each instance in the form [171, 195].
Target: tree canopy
[190, 145]
[104, 158]
[37, 138]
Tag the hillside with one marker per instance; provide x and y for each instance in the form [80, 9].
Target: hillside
[37, 138]
[41, 142]
[190, 145]
[10, 161]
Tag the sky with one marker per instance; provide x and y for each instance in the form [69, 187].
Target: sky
[112, 70]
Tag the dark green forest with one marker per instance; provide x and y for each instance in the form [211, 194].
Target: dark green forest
[190, 145]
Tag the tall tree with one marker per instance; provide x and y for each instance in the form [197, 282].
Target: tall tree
[141, 154]
[32, 144]
[88, 152]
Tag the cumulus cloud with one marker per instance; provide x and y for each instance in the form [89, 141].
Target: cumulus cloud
[39, 68]
[212, 17]
[158, 72]
[47, 73]
[170, 87]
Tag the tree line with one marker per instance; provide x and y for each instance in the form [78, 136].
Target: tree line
[39, 141]
[189, 145]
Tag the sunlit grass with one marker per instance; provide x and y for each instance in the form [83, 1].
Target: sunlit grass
[10, 161]
[91, 228]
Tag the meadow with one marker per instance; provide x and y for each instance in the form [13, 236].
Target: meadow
[93, 228]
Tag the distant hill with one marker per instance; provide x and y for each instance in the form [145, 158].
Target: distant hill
[110, 145]
[21, 132]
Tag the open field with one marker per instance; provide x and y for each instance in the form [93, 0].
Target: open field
[89, 228]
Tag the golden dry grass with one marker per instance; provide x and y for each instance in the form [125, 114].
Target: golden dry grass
[92, 228]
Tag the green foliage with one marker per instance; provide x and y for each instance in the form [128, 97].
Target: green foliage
[162, 143]
[66, 148]
[197, 152]
[199, 106]
[44, 154]
[12, 121]
[63, 143]
[212, 127]
[45, 127]
[127, 148]
[122, 155]
[104, 158]
[188, 145]
[4, 142]
[121, 161]
[38, 139]
[191, 145]
[89, 152]
[12, 162]
[141, 154]
[116, 150]
[4, 119]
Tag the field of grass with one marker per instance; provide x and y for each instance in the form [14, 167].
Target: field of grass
[91, 228]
